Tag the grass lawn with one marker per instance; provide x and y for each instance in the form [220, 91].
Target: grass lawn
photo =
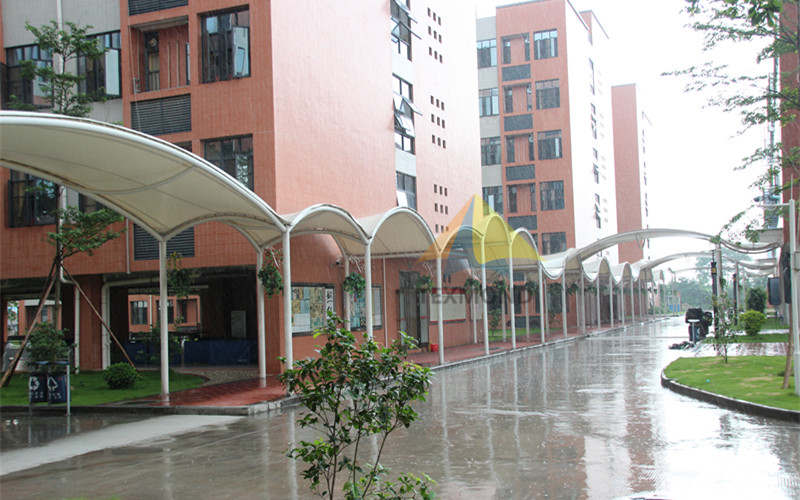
[762, 337]
[89, 388]
[774, 323]
[757, 379]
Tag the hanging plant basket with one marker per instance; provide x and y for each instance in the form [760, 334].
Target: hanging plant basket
[531, 287]
[572, 289]
[271, 279]
[354, 284]
[472, 286]
[500, 285]
[425, 283]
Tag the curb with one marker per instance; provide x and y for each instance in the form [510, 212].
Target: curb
[731, 403]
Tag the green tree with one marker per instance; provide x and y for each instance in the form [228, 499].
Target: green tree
[756, 300]
[354, 390]
[59, 86]
[693, 294]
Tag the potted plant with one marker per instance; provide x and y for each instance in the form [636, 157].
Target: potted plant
[425, 283]
[354, 284]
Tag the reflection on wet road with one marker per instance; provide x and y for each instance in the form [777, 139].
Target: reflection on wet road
[585, 419]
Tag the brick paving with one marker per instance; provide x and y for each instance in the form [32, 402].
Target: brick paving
[232, 387]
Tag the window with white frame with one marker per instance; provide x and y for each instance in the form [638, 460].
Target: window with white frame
[493, 196]
[487, 53]
[102, 75]
[406, 190]
[545, 44]
[404, 111]
[489, 102]
[401, 32]
[490, 151]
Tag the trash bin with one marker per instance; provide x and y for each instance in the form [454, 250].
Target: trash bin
[694, 330]
[37, 383]
[58, 383]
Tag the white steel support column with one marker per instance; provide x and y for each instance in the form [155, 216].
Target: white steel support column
[484, 300]
[368, 287]
[564, 302]
[582, 308]
[622, 300]
[512, 306]
[163, 321]
[287, 300]
[439, 309]
[633, 308]
[262, 329]
[541, 303]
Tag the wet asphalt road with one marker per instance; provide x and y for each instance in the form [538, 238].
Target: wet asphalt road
[584, 419]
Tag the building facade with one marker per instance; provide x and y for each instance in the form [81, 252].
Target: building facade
[631, 128]
[547, 150]
[303, 102]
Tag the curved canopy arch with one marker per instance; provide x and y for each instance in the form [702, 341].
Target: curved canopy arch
[158, 185]
[324, 218]
[397, 232]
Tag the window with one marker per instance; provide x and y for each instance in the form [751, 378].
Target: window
[406, 191]
[26, 90]
[401, 33]
[591, 76]
[225, 40]
[493, 196]
[533, 196]
[487, 53]
[550, 145]
[596, 174]
[594, 127]
[516, 48]
[490, 151]
[170, 311]
[152, 64]
[88, 205]
[552, 195]
[545, 44]
[489, 102]
[553, 243]
[234, 155]
[404, 110]
[102, 74]
[517, 97]
[517, 145]
[33, 200]
[512, 199]
[548, 94]
[139, 312]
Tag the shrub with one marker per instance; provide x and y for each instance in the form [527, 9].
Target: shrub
[756, 300]
[752, 321]
[46, 343]
[120, 376]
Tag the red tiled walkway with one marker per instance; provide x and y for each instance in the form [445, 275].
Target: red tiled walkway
[249, 392]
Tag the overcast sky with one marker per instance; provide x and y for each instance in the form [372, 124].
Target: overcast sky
[692, 149]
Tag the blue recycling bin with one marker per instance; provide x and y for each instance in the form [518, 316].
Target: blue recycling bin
[37, 382]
